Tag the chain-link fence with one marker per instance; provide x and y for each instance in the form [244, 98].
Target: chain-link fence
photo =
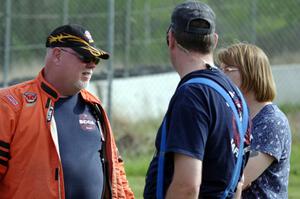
[139, 30]
[134, 31]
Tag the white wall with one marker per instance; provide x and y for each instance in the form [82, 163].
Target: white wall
[287, 78]
[148, 96]
[139, 97]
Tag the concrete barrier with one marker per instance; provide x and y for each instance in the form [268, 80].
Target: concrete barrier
[148, 96]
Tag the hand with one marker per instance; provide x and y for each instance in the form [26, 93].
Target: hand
[239, 189]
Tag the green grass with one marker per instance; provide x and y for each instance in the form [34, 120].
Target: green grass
[294, 180]
[137, 184]
[136, 171]
[137, 166]
[137, 145]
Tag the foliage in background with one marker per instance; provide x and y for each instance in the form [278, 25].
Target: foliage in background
[140, 27]
[135, 139]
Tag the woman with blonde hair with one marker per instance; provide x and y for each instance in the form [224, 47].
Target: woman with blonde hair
[267, 171]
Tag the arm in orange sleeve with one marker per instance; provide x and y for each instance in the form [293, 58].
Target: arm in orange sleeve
[7, 126]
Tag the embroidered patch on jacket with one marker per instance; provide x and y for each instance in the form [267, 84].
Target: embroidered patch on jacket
[86, 122]
[30, 97]
[12, 100]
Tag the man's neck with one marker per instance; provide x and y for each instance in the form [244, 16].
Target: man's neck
[58, 84]
[192, 63]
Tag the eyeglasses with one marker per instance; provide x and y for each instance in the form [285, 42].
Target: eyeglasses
[167, 34]
[228, 69]
[179, 46]
[83, 58]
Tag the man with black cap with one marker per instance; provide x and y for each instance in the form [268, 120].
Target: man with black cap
[55, 137]
[200, 145]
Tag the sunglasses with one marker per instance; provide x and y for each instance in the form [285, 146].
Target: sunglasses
[84, 59]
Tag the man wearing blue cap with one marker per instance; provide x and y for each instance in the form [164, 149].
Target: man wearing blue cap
[198, 144]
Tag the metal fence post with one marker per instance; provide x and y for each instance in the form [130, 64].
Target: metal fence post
[66, 12]
[254, 12]
[147, 23]
[7, 42]
[127, 37]
[110, 76]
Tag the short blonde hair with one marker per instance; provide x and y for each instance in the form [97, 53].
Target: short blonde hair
[254, 67]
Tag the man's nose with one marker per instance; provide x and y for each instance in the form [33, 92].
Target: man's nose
[91, 65]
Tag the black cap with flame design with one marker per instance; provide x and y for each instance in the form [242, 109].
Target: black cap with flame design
[76, 37]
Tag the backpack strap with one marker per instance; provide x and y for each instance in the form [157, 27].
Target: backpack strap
[161, 162]
[242, 128]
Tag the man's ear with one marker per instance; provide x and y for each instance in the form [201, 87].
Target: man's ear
[56, 55]
[216, 38]
[172, 40]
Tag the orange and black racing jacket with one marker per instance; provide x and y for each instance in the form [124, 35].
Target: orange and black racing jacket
[30, 164]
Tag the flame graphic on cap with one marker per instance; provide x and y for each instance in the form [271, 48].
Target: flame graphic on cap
[61, 37]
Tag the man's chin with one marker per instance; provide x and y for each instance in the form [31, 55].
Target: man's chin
[82, 84]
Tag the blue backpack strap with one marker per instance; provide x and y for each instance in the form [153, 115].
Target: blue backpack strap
[242, 128]
[161, 162]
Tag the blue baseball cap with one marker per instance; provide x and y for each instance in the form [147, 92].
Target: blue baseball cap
[184, 14]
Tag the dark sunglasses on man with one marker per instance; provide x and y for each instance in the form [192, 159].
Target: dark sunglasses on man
[83, 58]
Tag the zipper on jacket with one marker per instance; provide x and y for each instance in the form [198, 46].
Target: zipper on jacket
[58, 181]
[107, 191]
[50, 110]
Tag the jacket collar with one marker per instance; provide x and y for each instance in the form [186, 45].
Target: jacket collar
[87, 96]
[46, 87]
